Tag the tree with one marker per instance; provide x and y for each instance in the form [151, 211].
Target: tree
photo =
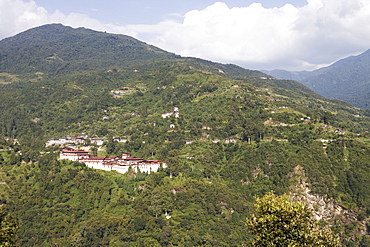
[7, 230]
[111, 146]
[94, 150]
[279, 221]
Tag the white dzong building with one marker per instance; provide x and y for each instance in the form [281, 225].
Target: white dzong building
[121, 165]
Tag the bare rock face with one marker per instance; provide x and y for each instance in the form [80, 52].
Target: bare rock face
[322, 208]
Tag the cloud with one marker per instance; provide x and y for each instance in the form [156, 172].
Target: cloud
[288, 37]
[17, 16]
[318, 33]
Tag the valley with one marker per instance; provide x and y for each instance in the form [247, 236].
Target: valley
[226, 134]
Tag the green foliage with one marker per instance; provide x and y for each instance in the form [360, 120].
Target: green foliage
[56, 49]
[281, 222]
[207, 190]
[7, 229]
[65, 203]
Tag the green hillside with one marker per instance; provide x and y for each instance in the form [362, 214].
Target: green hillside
[55, 49]
[247, 134]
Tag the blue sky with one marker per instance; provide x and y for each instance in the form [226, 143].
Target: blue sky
[145, 11]
[255, 34]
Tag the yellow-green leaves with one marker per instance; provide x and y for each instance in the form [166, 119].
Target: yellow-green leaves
[278, 221]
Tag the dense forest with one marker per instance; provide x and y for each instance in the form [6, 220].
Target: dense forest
[240, 134]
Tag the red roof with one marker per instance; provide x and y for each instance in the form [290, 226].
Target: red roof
[75, 152]
[132, 158]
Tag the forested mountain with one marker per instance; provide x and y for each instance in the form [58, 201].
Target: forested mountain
[57, 49]
[347, 80]
[240, 134]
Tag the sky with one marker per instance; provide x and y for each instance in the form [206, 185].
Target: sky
[254, 34]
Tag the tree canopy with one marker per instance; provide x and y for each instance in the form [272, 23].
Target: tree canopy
[278, 221]
[7, 230]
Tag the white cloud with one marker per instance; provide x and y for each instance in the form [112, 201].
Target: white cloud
[290, 37]
[256, 37]
[18, 15]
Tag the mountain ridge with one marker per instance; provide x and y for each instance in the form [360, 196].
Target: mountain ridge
[57, 49]
[347, 79]
[236, 135]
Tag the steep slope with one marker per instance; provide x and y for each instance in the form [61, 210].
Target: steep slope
[247, 136]
[347, 80]
[239, 134]
[51, 100]
[58, 49]
[55, 49]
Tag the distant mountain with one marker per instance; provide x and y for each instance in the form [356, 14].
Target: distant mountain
[347, 80]
[238, 134]
[56, 49]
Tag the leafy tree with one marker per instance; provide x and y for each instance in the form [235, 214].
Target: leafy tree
[281, 222]
[7, 230]
[111, 146]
